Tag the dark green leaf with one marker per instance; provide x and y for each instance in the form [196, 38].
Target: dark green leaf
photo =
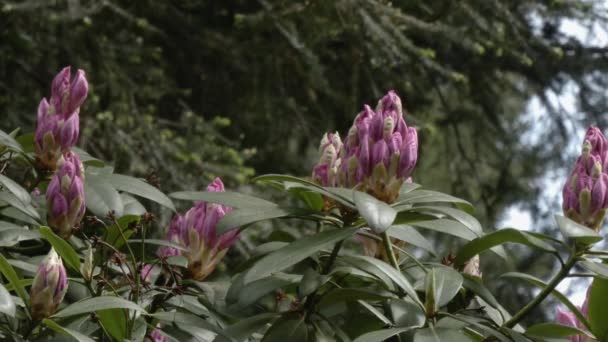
[296, 252]
[378, 215]
[287, 328]
[138, 187]
[11, 237]
[598, 308]
[188, 320]
[441, 335]
[428, 196]
[497, 238]
[10, 274]
[86, 158]
[131, 206]
[396, 276]
[339, 295]
[406, 313]
[381, 335]
[231, 199]
[97, 303]
[244, 328]
[62, 248]
[114, 322]
[16, 203]
[553, 330]
[242, 217]
[65, 331]
[456, 214]
[447, 226]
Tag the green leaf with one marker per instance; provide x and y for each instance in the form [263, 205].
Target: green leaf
[447, 284]
[16, 189]
[86, 158]
[595, 267]
[553, 330]
[10, 142]
[62, 248]
[577, 232]
[7, 304]
[11, 237]
[598, 308]
[287, 328]
[112, 234]
[378, 215]
[16, 203]
[243, 217]
[441, 335]
[541, 284]
[158, 242]
[412, 236]
[10, 274]
[381, 335]
[406, 313]
[65, 331]
[396, 276]
[96, 304]
[447, 226]
[188, 320]
[138, 187]
[456, 214]
[341, 295]
[335, 195]
[310, 282]
[101, 197]
[131, 206]
[295, 252]
[497, 238]
[249, 293]
[243, 329]
[428, 196]
[231, 199]
[114, 322]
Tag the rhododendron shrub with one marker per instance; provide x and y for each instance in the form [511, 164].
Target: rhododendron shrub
[93, 255]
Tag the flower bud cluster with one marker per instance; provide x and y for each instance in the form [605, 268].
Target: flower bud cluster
[585, 194]
[196, 231]
[378, 155]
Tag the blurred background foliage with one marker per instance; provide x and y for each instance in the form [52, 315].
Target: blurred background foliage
[183, 91]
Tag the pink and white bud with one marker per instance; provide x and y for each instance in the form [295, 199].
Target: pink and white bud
[196, 230]
[65, 196]
[48, 287]
[156, 335]
[585, 195]
[58, 121]
[568, 318]
[325, 171]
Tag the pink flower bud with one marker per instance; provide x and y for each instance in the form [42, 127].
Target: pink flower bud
[196, 230]
[325, 171]
[65, 196]
[48, 287]
[58, 122]
[585, 195]
[568, 318]
[157, 336]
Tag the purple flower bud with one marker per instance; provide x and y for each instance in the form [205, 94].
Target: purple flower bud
[196, 230]
[157, 336]
[325, 171]
[585, 195]
[58, 122]
[65, 196]
[48, 287]
[146, 273]
[385, 148]
[568, 318]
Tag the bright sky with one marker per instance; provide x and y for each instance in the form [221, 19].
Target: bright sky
[552, 182]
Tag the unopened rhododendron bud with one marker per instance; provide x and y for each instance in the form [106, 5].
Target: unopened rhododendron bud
[65, 196]
[196, 231]
[157, 336]
[48, 287]
[472, 267]
[326, 170]
[585, 194]
[568, 318]
[378, 155]
[58, 119]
